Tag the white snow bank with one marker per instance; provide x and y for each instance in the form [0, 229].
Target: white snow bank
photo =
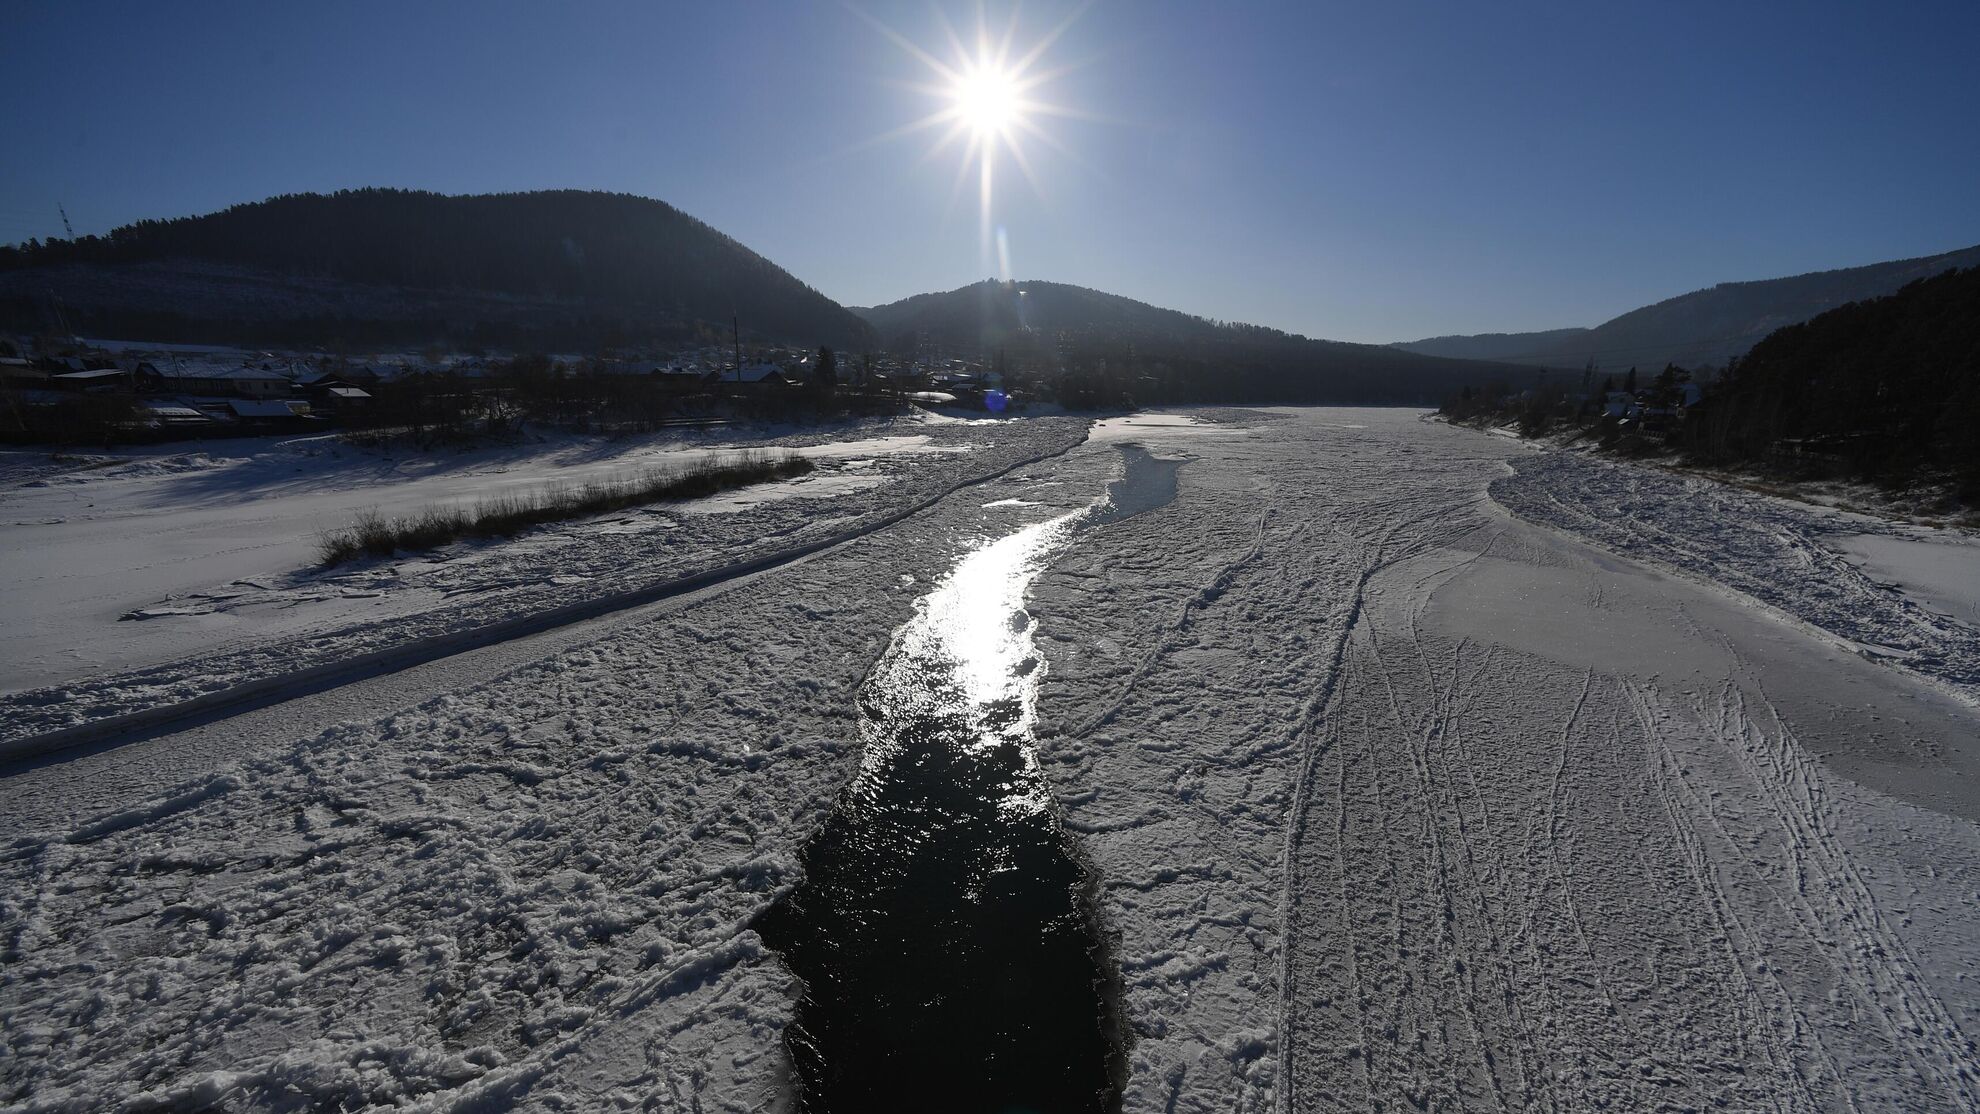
[1397, 803]
[1780, 553]
[1940, 573]
[169, 534]
[1157, 426]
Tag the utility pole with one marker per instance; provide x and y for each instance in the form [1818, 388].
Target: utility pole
[735, 334]
[61, 319]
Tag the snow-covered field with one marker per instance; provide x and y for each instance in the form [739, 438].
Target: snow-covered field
[535, 888]
[1394, 799]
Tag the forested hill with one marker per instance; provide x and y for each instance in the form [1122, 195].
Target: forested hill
[1703, 328]
[991, 313]
[560, 267]
[1887, 386]
[1152, 355]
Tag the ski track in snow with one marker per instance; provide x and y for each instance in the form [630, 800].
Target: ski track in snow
[1394, 800]
[1365, 846]
[1636, 891]
[1187, 767]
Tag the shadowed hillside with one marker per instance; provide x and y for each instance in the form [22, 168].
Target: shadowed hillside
[1702, 329]
[1133, 351]
[1885, 387]
[546, 269]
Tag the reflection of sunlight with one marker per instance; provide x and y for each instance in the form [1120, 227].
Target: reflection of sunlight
[976, 619]
[968, 652]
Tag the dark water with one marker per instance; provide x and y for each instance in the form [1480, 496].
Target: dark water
[945, 929]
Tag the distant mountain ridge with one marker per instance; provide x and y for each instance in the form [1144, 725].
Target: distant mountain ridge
[549, 267]
[989, 313]
[1165, 355]
[1705, 327]
[1511, 347]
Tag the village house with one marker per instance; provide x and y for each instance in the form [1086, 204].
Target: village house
[331, 394]
[96, 380]
[241, 382]
[1622, 404]
[758, 374]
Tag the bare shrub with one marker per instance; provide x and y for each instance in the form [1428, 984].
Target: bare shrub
[371, 534]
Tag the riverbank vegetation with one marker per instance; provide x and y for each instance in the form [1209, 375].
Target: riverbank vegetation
[1882, 391]
[372, 534]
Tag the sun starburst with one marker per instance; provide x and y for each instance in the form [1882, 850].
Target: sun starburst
[988, 100]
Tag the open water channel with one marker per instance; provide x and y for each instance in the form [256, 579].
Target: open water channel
[945, 931]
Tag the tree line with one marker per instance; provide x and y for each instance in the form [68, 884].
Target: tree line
[1884, 390]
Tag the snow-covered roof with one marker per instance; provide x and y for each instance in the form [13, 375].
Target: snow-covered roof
[244, 373]
[349, 392]
[268, 408]
[164, 409]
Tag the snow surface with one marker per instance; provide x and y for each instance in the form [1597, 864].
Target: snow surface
[224, 536]
[1394, 800]
[1400, 803]
[1781, 553]
[531, 892]
[83, 648]
[1939, 572]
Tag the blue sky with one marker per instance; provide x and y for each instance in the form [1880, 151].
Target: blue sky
[1360, 172]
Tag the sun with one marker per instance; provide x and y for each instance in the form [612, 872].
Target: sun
[988, 100]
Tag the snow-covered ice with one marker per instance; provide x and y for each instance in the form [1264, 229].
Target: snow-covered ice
[1783, 554]
[1940, 573]
[1400, 802]
[534, 891]
[1394, 799]
[224, 536]
[130, 607]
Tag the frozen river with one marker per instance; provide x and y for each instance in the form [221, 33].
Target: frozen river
[1355, 790]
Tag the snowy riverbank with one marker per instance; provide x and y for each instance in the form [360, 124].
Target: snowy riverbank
[133, 537]
[1790, 556]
